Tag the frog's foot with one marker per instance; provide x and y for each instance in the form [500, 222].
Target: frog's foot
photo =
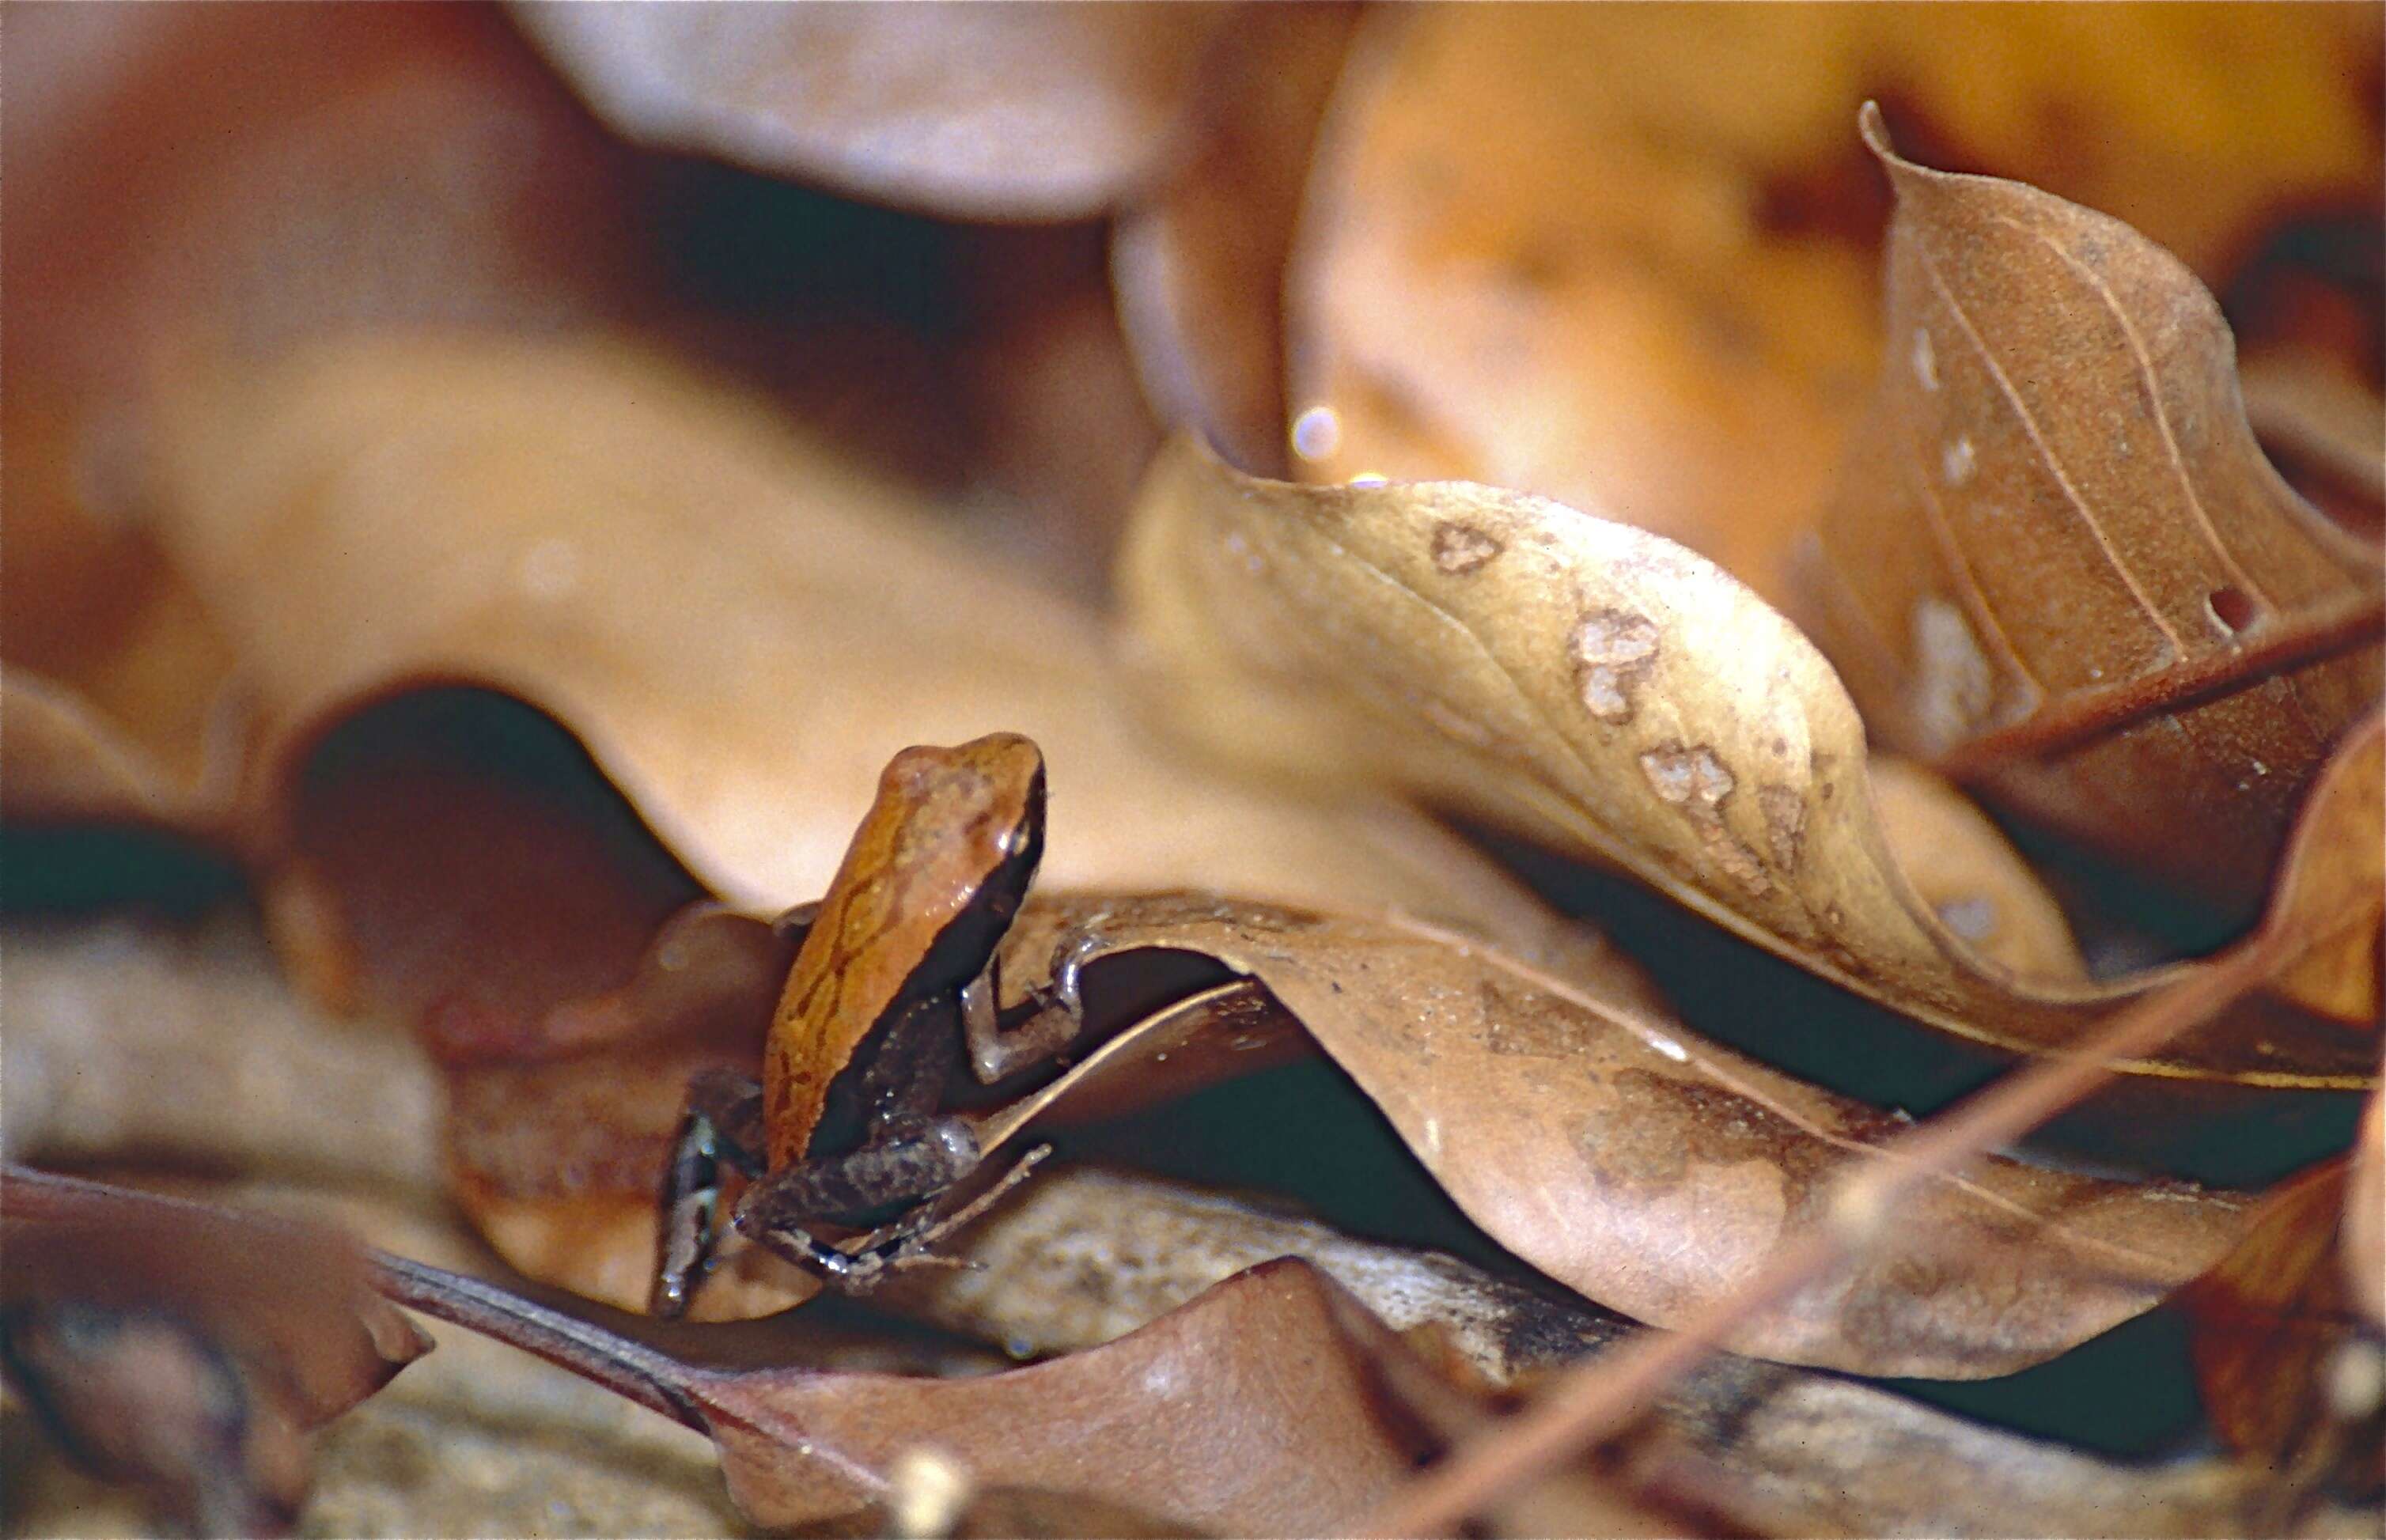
[909, 1242]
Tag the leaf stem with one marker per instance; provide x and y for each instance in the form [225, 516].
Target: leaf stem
[653, 1379]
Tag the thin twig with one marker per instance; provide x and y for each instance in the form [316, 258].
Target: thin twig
[1594, 1400]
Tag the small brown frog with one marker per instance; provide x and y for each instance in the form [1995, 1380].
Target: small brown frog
[930, 884]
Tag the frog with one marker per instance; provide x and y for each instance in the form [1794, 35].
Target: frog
[906, 932]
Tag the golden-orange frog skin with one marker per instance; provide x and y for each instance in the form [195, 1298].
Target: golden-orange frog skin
[948, 847]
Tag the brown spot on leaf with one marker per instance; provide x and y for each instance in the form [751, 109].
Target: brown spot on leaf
[1683, 1124]
[1695, 782]
[1613, 649]
[1459, 549]
[1785, 823]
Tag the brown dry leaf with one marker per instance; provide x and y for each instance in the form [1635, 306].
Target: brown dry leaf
[1652, 1171]
[1618, 255]
[141, 146]
[187, 1351]
[2365, 1215]
[1974, 881]
[1607, 692]
[1199, 266]
[1078, 1256]
[1263, 1407]
[2057, 560]
[2278, 1345]
[2331, 886]
[1037, 111]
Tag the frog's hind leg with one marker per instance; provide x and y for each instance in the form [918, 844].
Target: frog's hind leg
[723, 1126]
[908, 1158]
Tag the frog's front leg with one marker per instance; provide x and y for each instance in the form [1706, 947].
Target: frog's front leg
[721, 1125]
[997, 1052]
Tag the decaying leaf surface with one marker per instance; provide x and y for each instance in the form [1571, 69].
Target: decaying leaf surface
[186, 1350]
[1199, 266]
[1618, 256]
[1601, 689]
[1037, 111]
[2058, 560]
[2278, 1341]
[1260, 1407]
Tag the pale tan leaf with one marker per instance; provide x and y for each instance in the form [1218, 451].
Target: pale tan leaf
[1601, 689]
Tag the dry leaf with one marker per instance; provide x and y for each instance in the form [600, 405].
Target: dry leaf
[1199, 266]
[1079, 1256]
[580, 496]
[2057, 560]
[2365, 1215]
[1974, 883]
[1619, 255]
[1604, 691]
[2278, 1345]
[1018, 112]
[1261, 1408]
[140, 146]
[1652, 1171]
[2332, 884]
[183, 1349]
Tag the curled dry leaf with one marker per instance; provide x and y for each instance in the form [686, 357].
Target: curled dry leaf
[1605, 691]
[2331, 886]
[1035, 111]
[1652, 1171]
[2058, 563]
[1263, 1407]
[577, 495]
[1199, 266]
[1975, 882]
[2365, 1216]
[183, 1349]
[1619, 256]
[2288, 1376]
[1581, 1128]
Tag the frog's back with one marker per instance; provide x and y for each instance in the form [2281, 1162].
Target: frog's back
[925, 893]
